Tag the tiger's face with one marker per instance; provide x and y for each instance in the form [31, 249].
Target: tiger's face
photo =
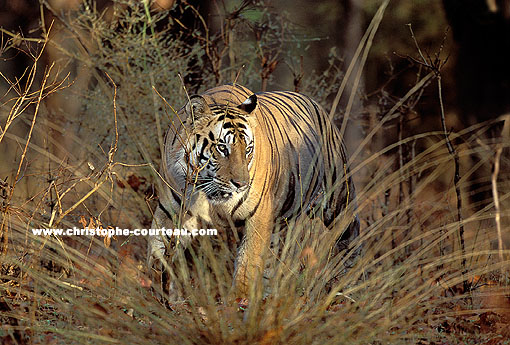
[219, 151]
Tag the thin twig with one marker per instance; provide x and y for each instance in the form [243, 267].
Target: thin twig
[456, 177]
[435, 65]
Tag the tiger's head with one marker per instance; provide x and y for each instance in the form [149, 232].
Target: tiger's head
[218, 148]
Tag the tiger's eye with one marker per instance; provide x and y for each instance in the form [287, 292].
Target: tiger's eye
[222, 148]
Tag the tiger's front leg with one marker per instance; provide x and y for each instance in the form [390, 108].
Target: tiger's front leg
[250, 257]
[162, 249]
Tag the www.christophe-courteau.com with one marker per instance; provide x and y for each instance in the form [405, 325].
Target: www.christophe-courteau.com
[124, 232]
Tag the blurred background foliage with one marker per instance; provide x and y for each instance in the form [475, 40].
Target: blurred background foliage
[284, 32]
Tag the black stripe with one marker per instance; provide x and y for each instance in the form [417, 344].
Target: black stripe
[221, 218]
[175, 196]
[293, 103]
[240, 223]
[258, 203]
[319, 119]
[202, 149]
[289, 201]
[289, 112]
[239, 203]
[165, 211]
[317, 180]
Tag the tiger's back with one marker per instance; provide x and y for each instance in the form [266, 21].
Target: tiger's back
[307, 153]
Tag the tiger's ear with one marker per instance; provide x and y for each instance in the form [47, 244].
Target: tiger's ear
[197, 107]
[249, 105]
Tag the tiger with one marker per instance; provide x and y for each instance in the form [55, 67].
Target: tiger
[243, 160]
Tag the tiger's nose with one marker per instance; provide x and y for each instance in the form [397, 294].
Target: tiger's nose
[239, 183]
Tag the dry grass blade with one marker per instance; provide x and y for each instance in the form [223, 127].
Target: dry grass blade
[365, 45]
[494, 181]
